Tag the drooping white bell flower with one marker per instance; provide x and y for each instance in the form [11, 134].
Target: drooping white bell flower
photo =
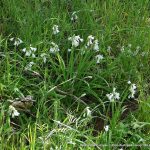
[17, 41]
[75, 40]
[55, 29]
[54, 48]
[113, 96]
[99, 58]
[13, 112]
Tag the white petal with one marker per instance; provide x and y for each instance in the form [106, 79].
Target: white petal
[11, 39]
[28, 53]
[24, 49]
[33, 55]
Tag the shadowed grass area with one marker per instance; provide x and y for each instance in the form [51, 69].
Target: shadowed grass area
[83, 84]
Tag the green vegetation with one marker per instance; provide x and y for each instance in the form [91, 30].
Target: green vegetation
[74, 74]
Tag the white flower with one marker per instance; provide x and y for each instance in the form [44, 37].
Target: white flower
[132, 89]
[29, 51]
[29, 66]
[93, 43]
[106, 128]
[11, 39]
[99, 58]
[69, 49]
[110, 97]
[55, 29]
[13, 112]
[96, 45]
[17, 41]
[113, 96]
[43, 55]
[33, 49]
[74, 16]
[54, 48]
[122, 49]
[129, 82]
[87, 112]
[75, 40]
[90, 40]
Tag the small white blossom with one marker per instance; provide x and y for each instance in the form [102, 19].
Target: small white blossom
[29, 51]
[74, 16]
[132, 89]
[106, 128]
[90, 40]
[129, 82]
[113, 96]
[29, 66]
[96, 45]
[43, 55]
[87, 112]
[54, 48]
[99, 58]
[69, 49]
[11, 39]
[122, 49]
[55, 29]
[33, 55]
[13, 112]
[17, 41]
[33, 49]
[75, 40]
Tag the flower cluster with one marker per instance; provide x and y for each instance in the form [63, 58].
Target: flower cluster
[29, 51]
[92, 42]
[74, 17]
[96, 45]
[75, 40]
[99, 58]
[54, 48]
[17, 41]
[113, 96]
[132, 90]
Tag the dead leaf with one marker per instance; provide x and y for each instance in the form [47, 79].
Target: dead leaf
[23, 104]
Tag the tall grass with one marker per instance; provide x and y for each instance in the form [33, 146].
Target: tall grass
[70, 88]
